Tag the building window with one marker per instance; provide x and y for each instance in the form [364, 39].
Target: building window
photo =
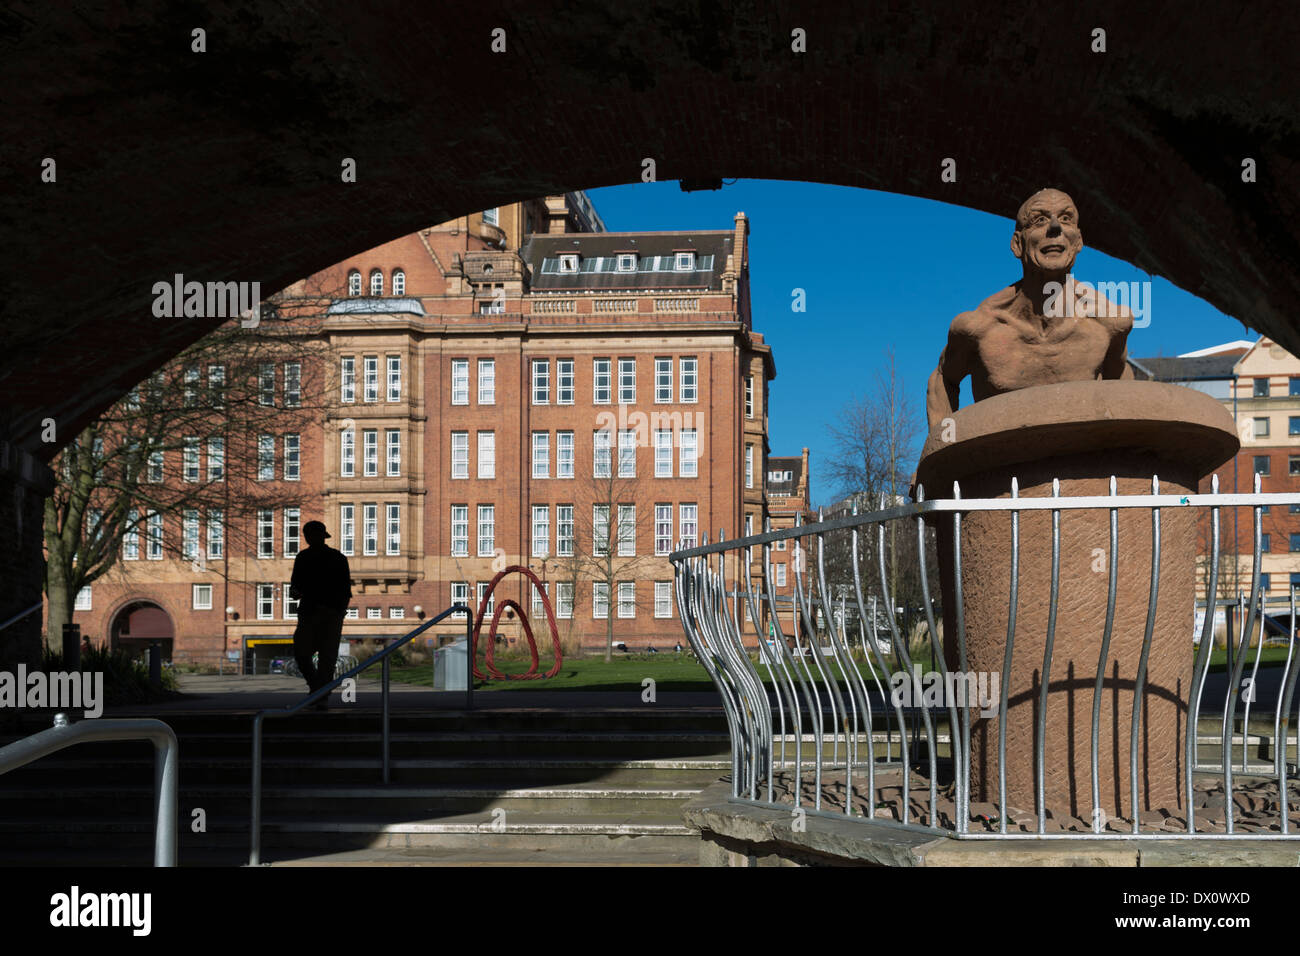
[484, 596]
[541, 530]
[749, 396]
[292, 384]
[687, 518]
[392, 528]
[190, 460]
[627, 453]
[1264, 582]
[460, 531]
[564, 454]
[749, 525]
[1293, 386]
[599, 600]
[216, 533]
[370, 528]
[568, 262]
[201, 597]
[190, 534]
[396, 613]
[779, 570]
[266, 602]
[626, 262]
[487, 530]
[663, 380]
[492, 216]
[216, 459]
[487, 454]
[600, 456]
[376, 282]
[663, 529]
[460, 454]
[627, 381]
[663, 599]
[541, 381]
[626, 531]
[601, 384]
[155, 470]
[600, 530]
[564, 381]
[780, 545]
[351, 614]
[564, 600]
[394, 378]
[685, 261]
[460, 593]
[347, 453]
[131, 536]
[292, 531]
[539, 612]
[564, 531]
[627, 599]
[266, 384]
[348, 379]
[460, 381]
[354, 282]
[541, 454]
[1293, 465]
[265, 533]
[1293, 425]
[370, 452]
[374, 613]
[217, 385]
[292, 457]
[371, 384]
[393, 439]
[347, 529]
[290, 602]
[1265, 540]
[1261, 427]
[663, 453]
[749, 466]
[688, 454]
[82, 602]
[1261, 465]
[1295, 542]
[154, 536]
[399, 282]
[1261, 388]
[487, 381]
[265, 457]
[690, 378]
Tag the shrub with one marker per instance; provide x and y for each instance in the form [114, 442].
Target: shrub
[126, 680]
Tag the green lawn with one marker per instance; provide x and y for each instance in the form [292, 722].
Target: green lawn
[670, 671]
[1275, 656]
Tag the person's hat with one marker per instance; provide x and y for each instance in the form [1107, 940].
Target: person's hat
[311, 527]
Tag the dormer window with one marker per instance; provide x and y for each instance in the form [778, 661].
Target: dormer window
[627, 262]
[354, 282]
[487, 268]
[399, 282]
[568, 262]
[376, 283]
[685, 261]
[492, 216]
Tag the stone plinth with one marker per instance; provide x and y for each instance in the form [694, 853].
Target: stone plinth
[1082, 433]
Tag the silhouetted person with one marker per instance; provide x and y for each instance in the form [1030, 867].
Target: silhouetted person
[322, 583]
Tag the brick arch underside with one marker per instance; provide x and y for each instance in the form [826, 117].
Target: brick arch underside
[225, 165]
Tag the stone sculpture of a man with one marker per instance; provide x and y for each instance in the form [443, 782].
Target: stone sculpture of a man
[1028, 333]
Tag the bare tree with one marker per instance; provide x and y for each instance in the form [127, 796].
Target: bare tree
[193, 439]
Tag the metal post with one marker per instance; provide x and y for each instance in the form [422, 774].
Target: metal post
[385, 669]
[469, 658]
[71, 646]
[155, 665]
[255, 852]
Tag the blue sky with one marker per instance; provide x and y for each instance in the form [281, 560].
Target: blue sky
[865, 260]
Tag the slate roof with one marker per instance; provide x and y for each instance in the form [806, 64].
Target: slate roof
[711, 251]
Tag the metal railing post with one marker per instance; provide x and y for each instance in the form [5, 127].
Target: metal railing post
[385, 707]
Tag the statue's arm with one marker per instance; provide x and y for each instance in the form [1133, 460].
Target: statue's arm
[944, 391]
[1116, 363]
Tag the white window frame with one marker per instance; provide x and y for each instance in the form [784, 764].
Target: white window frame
[663, 453]
[266, 602]
[460, 444]
[84, 601]
[460, 381]
[487, 532]
[131, 536]
[392, 528]
[627, 599]
[541, 531]
[190, 534]
[292, 456]
[481, 590]
[460, 593]
[153, 536]
[564, 531]
[541, 454]
[599, 599]
[348, 529]
[627, 381]
[663, 599]
[190, 460]
[564, 600]
[749, 396]
[779, 573]
[626, 531]
[370, 452]
[292, 531]
[370, 528]
[663, 529]
[602, 453]
[688, 386]
[487, 454]
[600, 528]
[394, 370]
[568, 262]
[370, 380]
[216, 458]
[749, 466]
[197, 601]
[347, 379]
[565, 370]
[627, 262]
[487, 381]
[684, 262]
[460, 541]
[290, 611]
[376, 282]
[292, 384]
[688, 518]
[663, 380]
[688, 454]
[564, 454]
[348, 453]
[627, 453]
[541, 379]
[393, 452]
[265, 457]
[216, 533]
[354, 282]
[399, 282]
[265, 533]
[602, 369]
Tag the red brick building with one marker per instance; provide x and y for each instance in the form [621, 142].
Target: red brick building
[513, 387]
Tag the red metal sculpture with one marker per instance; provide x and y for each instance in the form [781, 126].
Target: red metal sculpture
[492, 669]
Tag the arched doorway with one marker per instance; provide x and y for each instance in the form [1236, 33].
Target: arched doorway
[138, 625]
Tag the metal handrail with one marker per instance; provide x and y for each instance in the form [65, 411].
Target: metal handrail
[166, 764]
[22, 614]
[254, 854]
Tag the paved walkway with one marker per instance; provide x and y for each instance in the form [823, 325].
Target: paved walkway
[246, 694]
